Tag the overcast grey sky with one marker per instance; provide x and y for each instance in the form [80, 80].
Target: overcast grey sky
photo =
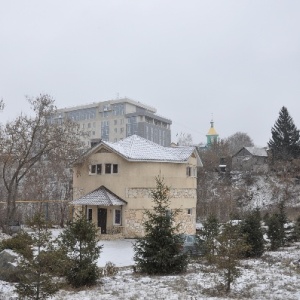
[238, 60]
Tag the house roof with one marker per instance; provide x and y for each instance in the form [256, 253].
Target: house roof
[136, 148]
[101, 196]
[255, 151]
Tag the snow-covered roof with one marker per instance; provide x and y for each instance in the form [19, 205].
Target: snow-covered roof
[136, 148]
[257, 151]
[100, 196]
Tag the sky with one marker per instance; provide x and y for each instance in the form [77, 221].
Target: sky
[237, 62]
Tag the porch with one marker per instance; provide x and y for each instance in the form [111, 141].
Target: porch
[104, 209]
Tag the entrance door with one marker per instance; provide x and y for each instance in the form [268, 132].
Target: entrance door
[102, 216]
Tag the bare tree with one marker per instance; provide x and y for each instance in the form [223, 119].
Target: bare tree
[185, 139]
[2, 104]
[27, 140]
[211, 156]
[237, 141]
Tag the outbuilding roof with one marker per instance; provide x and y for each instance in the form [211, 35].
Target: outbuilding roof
[101, 196]
[257, 151]
[254, 151]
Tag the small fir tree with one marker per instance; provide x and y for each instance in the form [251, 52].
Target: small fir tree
[35, 279]
[251, 229]
[210, 231]
[231, 245]
[159, 251]
[296, 230]
[276, 230]
[79, 243]
[284, 143]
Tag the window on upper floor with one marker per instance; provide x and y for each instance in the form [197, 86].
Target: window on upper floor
[111, 168]
[95, 169]
[191, 171]
[189, 211]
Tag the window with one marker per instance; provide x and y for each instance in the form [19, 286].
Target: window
[90, 214]
[115, 168]
[95, 169]
[117, 217]
[188, 171]
[111, 168]
[191, 171]
[189, 211]
[115, 122]
[115, 130]
[122, 129]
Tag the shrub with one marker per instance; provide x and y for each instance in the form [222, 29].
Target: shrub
[20, 243]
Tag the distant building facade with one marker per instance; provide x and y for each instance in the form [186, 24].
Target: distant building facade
[250, 159]
[114, 120]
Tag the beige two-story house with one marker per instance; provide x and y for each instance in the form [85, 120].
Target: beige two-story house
[113, 183]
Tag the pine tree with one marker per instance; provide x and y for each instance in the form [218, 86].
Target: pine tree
[35, 279]
[296, 230]
[285, 143]
[276, 230]
[79, 243]
[251, 229]
[231, 245]
[159, 251]
[209, 233]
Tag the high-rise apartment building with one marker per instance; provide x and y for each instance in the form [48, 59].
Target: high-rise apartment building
[113, 120]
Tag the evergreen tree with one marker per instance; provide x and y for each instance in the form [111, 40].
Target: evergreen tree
[210, 231]
[276, 229]
[285, 143]
[35, 278]
[159, 251]
[231, 244]
[79, 243]
[251, 229]
[274, 232]
[296, 230]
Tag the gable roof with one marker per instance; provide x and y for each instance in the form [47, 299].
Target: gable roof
[136, 148]
[100, 196]
[254, 151]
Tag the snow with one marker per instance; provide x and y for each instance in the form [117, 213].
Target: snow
[276, 275]
[120, 252]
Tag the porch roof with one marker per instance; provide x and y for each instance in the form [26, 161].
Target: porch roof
[101, 196]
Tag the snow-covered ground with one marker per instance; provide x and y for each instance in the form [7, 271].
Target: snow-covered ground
[274, 276]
